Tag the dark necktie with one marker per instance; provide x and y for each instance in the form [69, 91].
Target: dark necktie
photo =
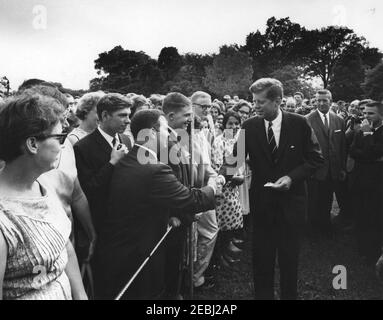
[271, 140]
[114, 141]
[326, 122]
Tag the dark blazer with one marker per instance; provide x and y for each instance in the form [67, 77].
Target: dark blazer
[367, 150]
[298, 156]
[332, 143]
[141, 196]
[94, 171]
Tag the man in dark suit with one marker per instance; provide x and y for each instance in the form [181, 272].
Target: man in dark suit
[142, 192]
[330, 131]
[283, 153]
[98, 153]
[367, 151]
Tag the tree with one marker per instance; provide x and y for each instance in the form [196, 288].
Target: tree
[274, 49]
[348, 75]
[374, 83]
[323, 48]
[231, 72]
[292, 81]
[169, 61]
[127, 71]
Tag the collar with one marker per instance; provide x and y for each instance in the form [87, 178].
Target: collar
[147, 149]
[108, 137]
[327, 115]
[276, 122]
[173, 132]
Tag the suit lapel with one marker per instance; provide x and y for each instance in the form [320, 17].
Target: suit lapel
[284, 136]
[261, 136]
[321, 124]
[100, 140]
[126, 141]
[332, 126]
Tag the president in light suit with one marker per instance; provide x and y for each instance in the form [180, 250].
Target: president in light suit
[330, 131]
[283, 152]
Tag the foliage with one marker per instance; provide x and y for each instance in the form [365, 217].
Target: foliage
[231, 72]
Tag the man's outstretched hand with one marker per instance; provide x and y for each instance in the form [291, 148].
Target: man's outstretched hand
[282, 184]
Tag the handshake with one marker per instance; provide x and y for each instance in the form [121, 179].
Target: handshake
[219, 183]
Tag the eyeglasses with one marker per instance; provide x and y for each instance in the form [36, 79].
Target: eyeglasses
[59, 136]
[205, 107]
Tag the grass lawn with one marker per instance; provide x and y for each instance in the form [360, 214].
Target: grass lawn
[317, 260]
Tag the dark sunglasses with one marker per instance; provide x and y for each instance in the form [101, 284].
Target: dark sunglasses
[60, 137]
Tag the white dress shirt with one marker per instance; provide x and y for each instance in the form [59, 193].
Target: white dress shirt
[276, 127]
[108, 137]
[322, 116]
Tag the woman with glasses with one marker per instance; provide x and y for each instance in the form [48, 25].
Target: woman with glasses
[243, 108]
[37, 260]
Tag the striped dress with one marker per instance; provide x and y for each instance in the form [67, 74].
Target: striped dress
[36, 231]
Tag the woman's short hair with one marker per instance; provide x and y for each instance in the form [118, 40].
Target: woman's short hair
[240, 104]
[227, 116]
[25, 116]
[87, 103]
[215, 105]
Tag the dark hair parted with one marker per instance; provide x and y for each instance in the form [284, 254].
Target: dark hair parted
[273, 88]
[144, 119]
[112, 102]
[25, 116]
[227, 116]
[174, 101]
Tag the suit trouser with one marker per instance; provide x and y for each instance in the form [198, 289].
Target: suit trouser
[175, 248]
[320, 195]
[276, 240]
[207, 228]
[369, 221]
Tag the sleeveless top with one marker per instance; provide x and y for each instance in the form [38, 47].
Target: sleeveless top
[36, 231]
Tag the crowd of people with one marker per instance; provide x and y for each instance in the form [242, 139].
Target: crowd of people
[90, 185]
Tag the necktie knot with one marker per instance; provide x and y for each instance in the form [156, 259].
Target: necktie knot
[114, 141]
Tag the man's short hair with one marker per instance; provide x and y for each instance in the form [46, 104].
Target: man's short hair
[112, 102]
[156, 99]
[34, 82]
[365, 101]
[299, 94]
[144, 119]
[273, 88]
[47, 90]
[199, 94]
[24, 116]
[174, 101]
[87, 102]
[376, 104]
[325, 92]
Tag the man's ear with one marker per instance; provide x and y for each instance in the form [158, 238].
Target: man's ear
[170, 116]
[278, 101]
[104, 115]
[31, 145]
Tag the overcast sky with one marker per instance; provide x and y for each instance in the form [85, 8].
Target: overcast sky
[63, 47]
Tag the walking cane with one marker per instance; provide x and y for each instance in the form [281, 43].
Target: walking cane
[190, 228]
[143, 264]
